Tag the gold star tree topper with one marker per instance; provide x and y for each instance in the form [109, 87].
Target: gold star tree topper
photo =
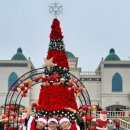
[49, 63]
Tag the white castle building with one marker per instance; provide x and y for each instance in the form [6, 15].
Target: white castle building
[108, 86]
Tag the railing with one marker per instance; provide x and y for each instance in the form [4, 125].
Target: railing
[89, 73]
[116, 114]
[124, 124]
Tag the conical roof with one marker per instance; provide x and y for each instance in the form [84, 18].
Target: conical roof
[69, 54]
[112, 56]
[19, 55]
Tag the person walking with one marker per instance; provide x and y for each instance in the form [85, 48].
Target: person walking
[117, 124]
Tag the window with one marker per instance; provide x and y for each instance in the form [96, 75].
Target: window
[117, 83]
[12, 78]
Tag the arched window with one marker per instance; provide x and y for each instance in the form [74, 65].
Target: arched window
[12, 78]
[117, 83]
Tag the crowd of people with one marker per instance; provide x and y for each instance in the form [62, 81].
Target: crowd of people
[31, 122]
[42, 123]
[63, 123]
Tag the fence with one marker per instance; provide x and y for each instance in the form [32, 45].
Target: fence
[124, 124]
[112, 114]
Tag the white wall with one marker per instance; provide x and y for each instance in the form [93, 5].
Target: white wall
[4, 76]
[94, 89]
[112, 98]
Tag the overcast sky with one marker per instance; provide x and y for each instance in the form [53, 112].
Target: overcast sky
[90, 29]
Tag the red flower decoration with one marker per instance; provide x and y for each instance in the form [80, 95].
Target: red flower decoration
[56, 98]
[23, 95]
[91, 128]
[88, 118]
[12, 108]
[85, 107]
[21, 88]
[14, 88]
[26, 84]
[36, 79]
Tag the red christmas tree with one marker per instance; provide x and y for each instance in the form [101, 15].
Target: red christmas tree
[56, 92]
[56, 47]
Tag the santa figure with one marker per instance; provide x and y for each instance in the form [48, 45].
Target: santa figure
[102, 121]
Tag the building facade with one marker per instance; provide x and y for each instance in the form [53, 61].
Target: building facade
[108, 86]
[10, 71]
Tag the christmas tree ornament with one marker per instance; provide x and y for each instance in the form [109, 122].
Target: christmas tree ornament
[21, 88]
[30, 82]
[89, 108]
[14, 88]
[62, 80]
[93, 107]
[85, 107]
[91, 128]
[80, 89]
[12, 108]
[21, 79]
[26, 84]
[23, 95]
[49, 63]
[25, 91]
[36, 79]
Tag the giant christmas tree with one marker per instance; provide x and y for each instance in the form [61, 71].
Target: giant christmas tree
[58, 88]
